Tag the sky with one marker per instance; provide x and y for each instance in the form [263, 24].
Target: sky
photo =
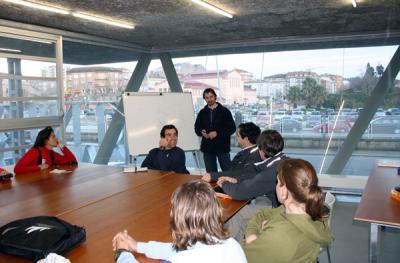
[349, 62]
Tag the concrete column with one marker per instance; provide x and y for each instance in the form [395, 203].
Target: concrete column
[117, 123]
[170, 72]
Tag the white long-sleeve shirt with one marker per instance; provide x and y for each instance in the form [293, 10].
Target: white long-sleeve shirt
[228, 251]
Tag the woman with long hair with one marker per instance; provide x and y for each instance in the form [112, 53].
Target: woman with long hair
[41, 156]
[198, 233]
[294, 231]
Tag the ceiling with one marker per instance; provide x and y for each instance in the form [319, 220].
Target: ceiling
[185, 29]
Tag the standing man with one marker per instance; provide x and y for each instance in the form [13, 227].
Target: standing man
[167, 157]
[215, 125]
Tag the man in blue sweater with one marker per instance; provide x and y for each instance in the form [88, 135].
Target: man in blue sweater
[167, 157]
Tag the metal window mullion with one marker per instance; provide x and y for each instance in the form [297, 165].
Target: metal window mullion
[15, 148]
[20, 77]
[25, 57]
[29, 123]
[60, 83]
[27, 98]
[28, 34]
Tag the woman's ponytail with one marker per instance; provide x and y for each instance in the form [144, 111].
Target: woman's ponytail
[314, 202]
[301, 180]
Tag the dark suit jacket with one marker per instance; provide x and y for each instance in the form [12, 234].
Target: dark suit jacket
[256, 180]
[242, 160]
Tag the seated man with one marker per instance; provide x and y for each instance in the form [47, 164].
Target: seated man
[258, 179]
[247, 135]
[168, 157]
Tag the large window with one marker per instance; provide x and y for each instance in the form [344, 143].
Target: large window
[300, 93]
[91, 104]
[312, 97]
[30, 90]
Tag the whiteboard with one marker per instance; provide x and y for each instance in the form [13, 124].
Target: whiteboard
[147, 112]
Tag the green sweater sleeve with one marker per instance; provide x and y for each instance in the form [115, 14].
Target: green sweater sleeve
[254, 225]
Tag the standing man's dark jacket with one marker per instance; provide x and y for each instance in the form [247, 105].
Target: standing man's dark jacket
[257, 180]
[219, 120]
[243, 159]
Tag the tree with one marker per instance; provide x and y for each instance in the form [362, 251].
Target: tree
[369, 71]
[294, 95]
[314, 94]
[369, 80]
[332, 101]
[379, 70]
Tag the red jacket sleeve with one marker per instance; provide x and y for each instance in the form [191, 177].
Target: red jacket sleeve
[67, 158]
[28, 162]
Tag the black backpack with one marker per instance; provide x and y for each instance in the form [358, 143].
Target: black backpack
[34, 238]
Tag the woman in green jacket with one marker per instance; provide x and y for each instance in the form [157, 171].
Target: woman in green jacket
[294, 231]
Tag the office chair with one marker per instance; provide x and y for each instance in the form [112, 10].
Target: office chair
[329, 201]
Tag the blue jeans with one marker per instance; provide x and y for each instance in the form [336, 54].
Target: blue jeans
[210, 160]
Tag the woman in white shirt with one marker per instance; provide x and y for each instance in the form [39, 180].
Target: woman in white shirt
[198, 233]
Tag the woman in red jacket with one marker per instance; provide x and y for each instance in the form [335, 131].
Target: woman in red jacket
[41, 156]
[3, 171]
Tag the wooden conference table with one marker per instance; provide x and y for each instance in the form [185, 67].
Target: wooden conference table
[377, 207]
[102, 199]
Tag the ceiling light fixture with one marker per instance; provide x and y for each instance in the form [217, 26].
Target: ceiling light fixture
[10, 50]
[212, 8]
[354, 2]
[108, 21]
[39, 6]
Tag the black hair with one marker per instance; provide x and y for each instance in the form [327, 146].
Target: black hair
[249, 130]
[167, 127]
[42, 136]
[270, 142]
[209, 90]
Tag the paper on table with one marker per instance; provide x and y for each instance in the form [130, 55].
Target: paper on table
[133, 169]
[58, 171]
[389, 163]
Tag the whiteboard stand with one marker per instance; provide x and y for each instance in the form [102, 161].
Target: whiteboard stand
[197, 160]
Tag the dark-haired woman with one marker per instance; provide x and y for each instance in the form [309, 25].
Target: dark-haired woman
[41, 155]
[294, 231]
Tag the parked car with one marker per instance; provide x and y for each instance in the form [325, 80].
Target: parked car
[352, 116]
[385, 125]
[287, 125]
[393, 111]
[297, 115]
[380, 113]
[279, 113]
[309, 111]
[341, 126]
[313, 120]
[263, 120]
[89, 112]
